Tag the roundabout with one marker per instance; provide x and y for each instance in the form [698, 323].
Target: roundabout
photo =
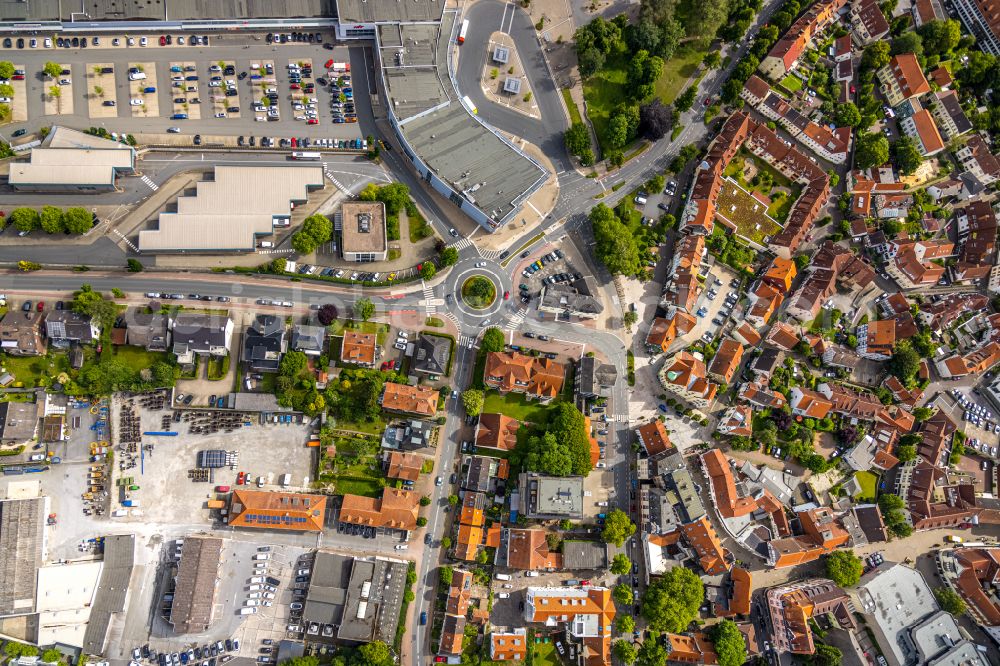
[479, 292]
[477, 288]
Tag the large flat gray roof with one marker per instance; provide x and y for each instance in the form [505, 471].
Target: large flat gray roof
[389, 11]
[197, 575]
[164, 10]
[21, 524]
[374, 597]
[119, 561]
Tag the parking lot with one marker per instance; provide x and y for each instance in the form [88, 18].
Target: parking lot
[551, 268]
[979, 422]
[178, 84]
[717, 302]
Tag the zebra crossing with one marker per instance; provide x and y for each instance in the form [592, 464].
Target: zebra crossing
[149, 182]
[462, 244]
[619, 418]
[288, 251]
[454, 319]
[333, 180]
[429, 298]
[515, 320]
[492, 255]
[129, 243]
[467, 341]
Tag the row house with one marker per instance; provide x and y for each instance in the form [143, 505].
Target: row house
[902, 79]
[831, 145]
[792, 605]
[947, 111]
[975, 362]
[975, 158]
[913, 266]
[664, 330]
[685, 376]
[877, 339]
[682, 286]
[698, 216]
[922, 129]
[726, 361]
[852, 403]
[831, 266]
[822, 533]
[764, 302]
[977, 226]
[22, 333]
[868, 24]
[932, 499]
[808, 403]
[941, 312]
[785, 54]
[736, 421]
[925, 11]
[869, 195]
[759, 395]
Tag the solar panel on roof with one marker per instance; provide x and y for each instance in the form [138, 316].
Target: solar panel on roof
[213, 458]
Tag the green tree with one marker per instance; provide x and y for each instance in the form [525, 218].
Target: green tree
[712, 60]
[77, 220]
[892, 507]
[624, 651]
[871, 150]
[729, 645]
[319, 228]
[614, 245]
[630, 318]
[6, 70]
[905, 362]
[906, 154]
[652, 653]
[705, 18]
[622, 593]
[425, 500]
[906, 453]
[843, 567]
[6, 90]
[93, 304]
[577, 139]
[303, 243]
[278, 265]
[24, 219]
[826, 655]
[493, 340]
[622, 126]
[52, 656]
[625, 623]
[446, 574]
[427, 270]
[52, 69]
[472, 400]
[293, 364]
[847, 115]
[448, 256]
[51, 219]
[908, 42]
[453, 500]
[685, 100]
[876, 56]
[421, 521]
[671, 603]
[951, 601]
[940, 37]
[375, 653]
[446, 542]
[364, 309]
[621, 565]
[617, 527]
[134, 266]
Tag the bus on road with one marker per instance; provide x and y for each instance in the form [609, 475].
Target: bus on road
[305, 156]
[461, 33]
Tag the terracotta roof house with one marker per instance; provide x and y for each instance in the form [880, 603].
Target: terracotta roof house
[277, 511]
[396, 509]
[452, 636]
[747, 334]
[765, 300]
[405, 466]
[868, 22]
[925, 11]
[822, 533]
[358, 348]
[540, 378]
[755, 90]
[810, 404]
[877, 339]
[509, 645]
[931, 499]
[912, 267]
[908, 398]
[948, 114]
[473, 508]
[783, 336]
[923, 130]
[467, 542]
[902, 79]
[684, 375]
[726, 361]
[497, 431]
[976, 158]
[740, 590]
[760, 396]
[976, 361]
[863, 406]
[792, 605]
[21, 333]
[459, 593]
[737, 420]
[727, 499]
[654, 438]
[691, 648]
[528, 550]
[977, 576]
[419, 400]
[664, 330]
[588, 613]
[780, 274]
[703, 540]
[785, 53]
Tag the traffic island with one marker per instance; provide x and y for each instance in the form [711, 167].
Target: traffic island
[479, 292]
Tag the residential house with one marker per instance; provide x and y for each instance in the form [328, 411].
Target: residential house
[932, 499]
[590, 620]
[947, 111]
[654, 439]
[922, 129]
[759, 396]
[868, 23]
[977, 361]
[832, 266]
[685, 375]
[925, 11]
[201, 335]
[808, 403]
[664, 330]
[755, 90]
[65, 327]
[419, 400]
[914, 267]
[948, 309]
[578, 299]
[149, 330]
[874, 198]
[823, 533]
[981, 19]
[261, 509]
[452, 637]
[974, 573]
[902, 79]
[975, 157]
[747, 334]
[908, 398]
[726, 361]
[783, 336]
[21, 333]
[539, 378]
[511, 645]
[594, 379]
[780, 274]
[702, 538]
[308, 339]
[432, 355]
[977, 226]
[528, 550]
[497, 431]
[359, 349]
[792, 605]
[764, 300]
[264, 343]
[842, 48]
[681, 288]
[852, 403]
[404, 466]
[397, 509]
[784, 55]
[831, 145]
[408, 435]
[736, 421]
[877, 339]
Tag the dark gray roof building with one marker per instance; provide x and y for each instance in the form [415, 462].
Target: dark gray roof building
[368, 11]
[197, 577]
[595, 379]
[310, 340]
[18, 421]
[431, 355]
[63, 327]
[575, 300]
[407, 435]
[201, 334]
[112, 590]
[550, 497]
[148, 330]
[22, 525]
[179, 10]
[263, 343]
[481, 470]
[584, 555]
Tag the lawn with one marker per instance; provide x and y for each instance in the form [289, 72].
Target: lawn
[791, 84]
[338, 326]
[571, 107]
[544, 655]
[138, 358]
[29, 370]
[677, 71]
[516, 406]
[869, 484]
[355, 486]
[745, 213]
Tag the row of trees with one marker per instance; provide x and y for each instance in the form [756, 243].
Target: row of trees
[51, 220]
[316, 231]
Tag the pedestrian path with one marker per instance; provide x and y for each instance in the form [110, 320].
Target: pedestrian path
[462, 244]
[514, 321]
[130, 244]
[149, 182]
[429, 298]
[492, 255]
[467, 341]
[336, 182]
[288, 251]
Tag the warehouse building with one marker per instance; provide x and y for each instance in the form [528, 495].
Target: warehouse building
[73, 161]
[22, 551]
[196, 582]
[362, 231]
[140, 13]
[231, 212]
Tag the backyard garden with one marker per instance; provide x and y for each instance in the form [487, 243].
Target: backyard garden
[350, 464]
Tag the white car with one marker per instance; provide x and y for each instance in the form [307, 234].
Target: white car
[220, 114]
[253, 602]
[253, 595]
[48, 43]
[131, 41]
[143, 41]
[136, 102]
[64, 82]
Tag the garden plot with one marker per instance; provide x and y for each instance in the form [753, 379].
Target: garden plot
[150, 106]
[59, 98]
[101, 89]
[745, 212]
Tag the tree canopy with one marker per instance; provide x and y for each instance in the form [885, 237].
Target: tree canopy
[493, 340]
[671, 603]
[951, 601]
[364, 309]
[871, 150]
[906, 154]
[655, 120]
[905, 362]
[615, 245]
[893, 513]
[843, 567]
[316, 230]
[617, 527]
[92, 303]
[622, 593]
[472, 400]
[621, 565]
[729, 645]
[624, 651]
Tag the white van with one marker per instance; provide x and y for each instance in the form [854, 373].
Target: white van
[137, 76]
[502, 576]
[531, 574]
[256, 579]
[640, 200]
[247, 611]
[265, 244]
[255, 588]
[261, 556]
[503, 595]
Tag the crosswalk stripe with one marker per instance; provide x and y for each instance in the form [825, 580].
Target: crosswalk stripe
[515, 320]
[127, 241]
[429, 302]
[336, 182]
[490, 254]
[275, 251]
[149, 182]
[468, 341]
[462, 244]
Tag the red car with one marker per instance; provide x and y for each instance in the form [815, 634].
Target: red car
[506, 295]
[584, 582]
[222, 489]
[708, 101]
[295, 86]
[329, 63]
[384, 366]
[392, 364]
[163, 40]
[295, 142]
[438, 659]
[240, 477]
[312, 121]
[40, 306]
[853, 90]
